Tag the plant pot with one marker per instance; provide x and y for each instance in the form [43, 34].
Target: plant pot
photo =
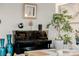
[58, 44]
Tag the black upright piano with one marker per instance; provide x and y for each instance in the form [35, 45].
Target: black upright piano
[30, 40]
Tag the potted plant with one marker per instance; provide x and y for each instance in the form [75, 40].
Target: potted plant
[61, 24]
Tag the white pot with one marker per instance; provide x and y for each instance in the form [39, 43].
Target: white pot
[58, 44]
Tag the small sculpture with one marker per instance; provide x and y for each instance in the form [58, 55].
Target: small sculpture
[20, 25]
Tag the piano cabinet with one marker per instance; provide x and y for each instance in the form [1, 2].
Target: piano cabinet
[30, 40]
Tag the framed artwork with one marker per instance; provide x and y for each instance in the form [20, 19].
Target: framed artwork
[72, 9]
[30, 10]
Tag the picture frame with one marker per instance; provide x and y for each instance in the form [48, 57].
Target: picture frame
[70, 7]
[30, 10]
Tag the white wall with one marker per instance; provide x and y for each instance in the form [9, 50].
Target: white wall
[12, 14]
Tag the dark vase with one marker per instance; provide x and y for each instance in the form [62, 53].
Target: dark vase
[40, 27]
[9, 46]
[2, 48]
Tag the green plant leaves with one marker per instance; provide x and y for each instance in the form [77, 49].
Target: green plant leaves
[61, 23]
[66, 38]
[66, 27]
[48, 25]
[65, 11]
[67, 16]
[58, 18]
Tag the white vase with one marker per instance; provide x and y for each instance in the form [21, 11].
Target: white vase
[66, 46]
[58, 44]
[52, 34]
